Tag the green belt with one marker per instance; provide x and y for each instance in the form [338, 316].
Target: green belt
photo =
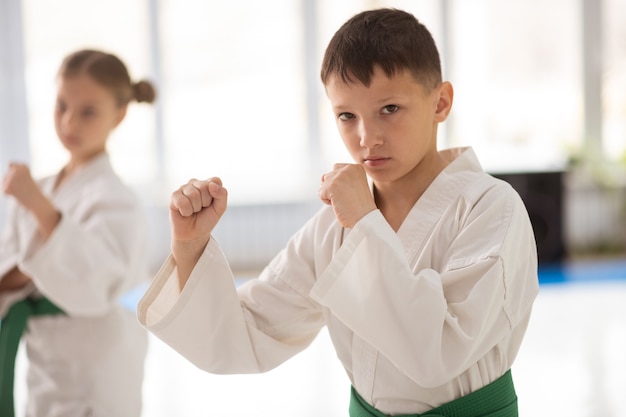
[497, 399]
[12, 326]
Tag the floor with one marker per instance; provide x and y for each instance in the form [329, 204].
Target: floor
[572, 362]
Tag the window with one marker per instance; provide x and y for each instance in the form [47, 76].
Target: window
[518, 81]
[239, 94]
[54, 29]
[234, 96]
[614, 79]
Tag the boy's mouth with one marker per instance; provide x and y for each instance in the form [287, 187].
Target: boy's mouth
[375, 160]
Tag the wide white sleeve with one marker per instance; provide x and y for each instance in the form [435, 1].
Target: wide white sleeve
[8, 242]
[91, 260]
[431, 324]
[9, 258]
[210, 325]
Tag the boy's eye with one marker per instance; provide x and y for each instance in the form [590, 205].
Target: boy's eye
[391, 108]
[346, 116]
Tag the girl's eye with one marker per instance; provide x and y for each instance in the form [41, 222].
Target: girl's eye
[89, 112]
[61, 107]
[391, 108]
[346, 116]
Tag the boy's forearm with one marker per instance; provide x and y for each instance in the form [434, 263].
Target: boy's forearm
[186, 255]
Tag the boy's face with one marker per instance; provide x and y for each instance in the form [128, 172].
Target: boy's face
[390, 127]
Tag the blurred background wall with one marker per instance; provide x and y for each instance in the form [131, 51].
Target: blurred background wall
[539, 94]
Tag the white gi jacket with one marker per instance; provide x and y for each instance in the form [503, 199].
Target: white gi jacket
[418, 318]
[90, 362]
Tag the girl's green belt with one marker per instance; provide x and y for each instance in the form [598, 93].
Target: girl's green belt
[12, 326]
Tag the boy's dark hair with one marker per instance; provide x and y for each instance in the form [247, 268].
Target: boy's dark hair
[390, 38]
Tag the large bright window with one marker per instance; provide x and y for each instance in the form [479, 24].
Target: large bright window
[518, 81]
[54, 29]
[234, 96]
[239, 94]
[614, 79]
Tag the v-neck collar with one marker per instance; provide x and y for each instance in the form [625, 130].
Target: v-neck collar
[444, 189]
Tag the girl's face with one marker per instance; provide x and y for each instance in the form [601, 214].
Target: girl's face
[389, 127]
[84, 116]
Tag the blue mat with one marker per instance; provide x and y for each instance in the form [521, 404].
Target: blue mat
[582, 271]
[549, 274]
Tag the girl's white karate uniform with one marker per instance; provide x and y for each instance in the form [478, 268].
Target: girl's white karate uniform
[90, 362]
[418, 317]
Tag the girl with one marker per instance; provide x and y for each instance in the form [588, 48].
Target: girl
[76, 241]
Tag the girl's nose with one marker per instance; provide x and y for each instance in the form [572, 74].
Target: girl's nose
[68, 120]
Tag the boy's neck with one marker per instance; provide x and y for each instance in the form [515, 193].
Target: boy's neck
[396, 199]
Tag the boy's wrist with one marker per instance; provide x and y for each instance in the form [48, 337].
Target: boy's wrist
[186, 254]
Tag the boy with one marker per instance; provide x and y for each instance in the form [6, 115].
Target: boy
[425, 279]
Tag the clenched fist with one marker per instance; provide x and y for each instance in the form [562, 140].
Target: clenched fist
[195, 209]
[346, 189]
[19, 183]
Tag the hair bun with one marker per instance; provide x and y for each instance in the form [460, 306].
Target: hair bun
[144, 91]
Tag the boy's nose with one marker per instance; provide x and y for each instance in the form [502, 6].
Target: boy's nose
[370, 134]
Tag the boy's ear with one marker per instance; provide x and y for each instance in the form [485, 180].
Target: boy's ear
[445, 95]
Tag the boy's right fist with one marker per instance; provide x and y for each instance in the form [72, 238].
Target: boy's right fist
[195, 209]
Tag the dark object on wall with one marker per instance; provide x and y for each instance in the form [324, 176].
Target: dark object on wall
[542, 193]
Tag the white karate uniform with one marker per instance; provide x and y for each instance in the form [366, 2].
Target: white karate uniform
[418, 318]
[89, 362]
